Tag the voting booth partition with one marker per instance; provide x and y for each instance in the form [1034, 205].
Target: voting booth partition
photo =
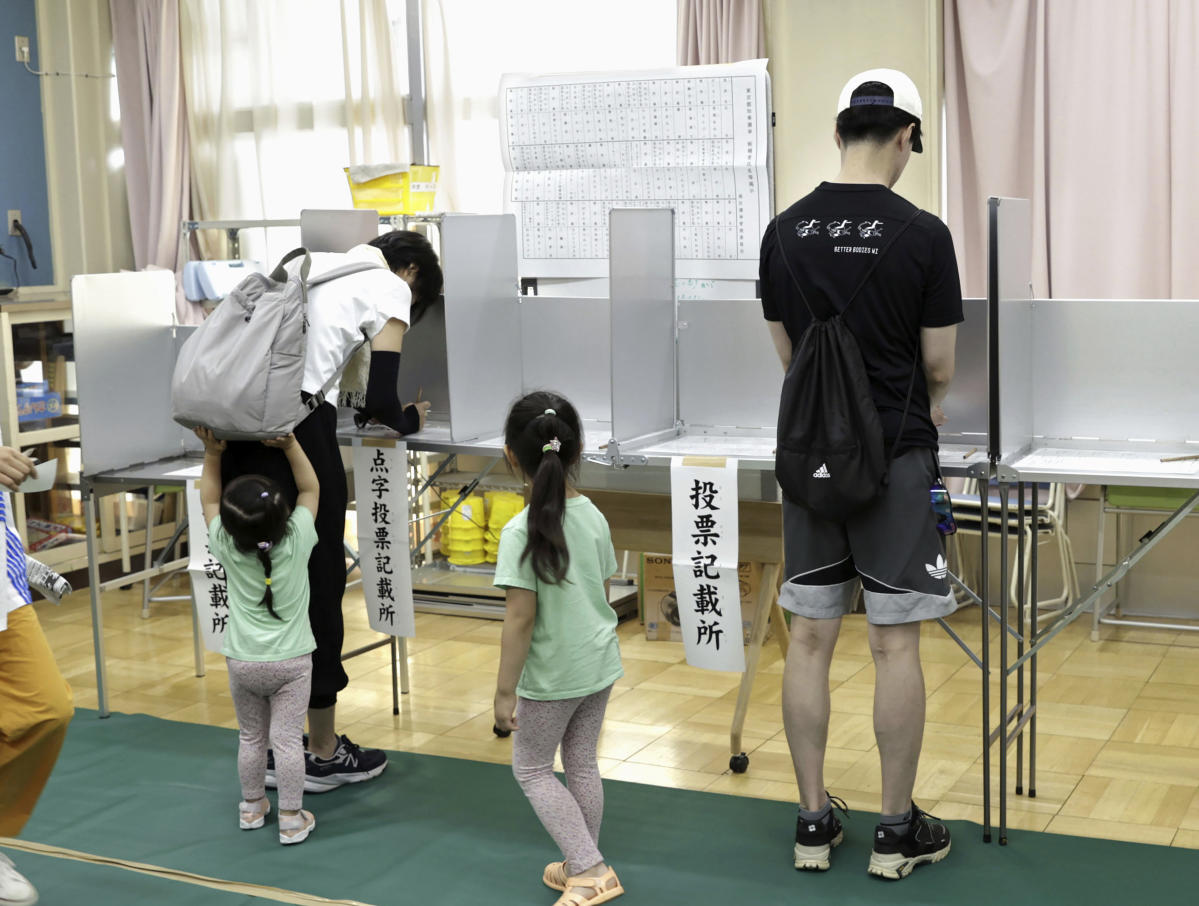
[614, 357]
[126, 345]
[1082, 391]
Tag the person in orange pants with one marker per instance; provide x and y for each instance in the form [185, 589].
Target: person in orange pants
[35, 701]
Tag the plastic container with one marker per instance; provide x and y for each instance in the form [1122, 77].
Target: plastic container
[410, 192]
[471, 558]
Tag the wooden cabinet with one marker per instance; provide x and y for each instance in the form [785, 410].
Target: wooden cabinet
[40, 416]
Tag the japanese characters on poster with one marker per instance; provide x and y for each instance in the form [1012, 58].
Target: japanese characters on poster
[692, 138]
[381, 492]
[210, 592]
[703, 500]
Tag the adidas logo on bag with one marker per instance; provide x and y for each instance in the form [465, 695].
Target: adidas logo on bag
[822, 472]
[940, 570]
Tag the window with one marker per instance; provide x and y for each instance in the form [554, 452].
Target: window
[470, 44]
[282, 94]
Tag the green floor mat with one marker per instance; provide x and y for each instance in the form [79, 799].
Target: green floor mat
[443, 831]
[69, 882]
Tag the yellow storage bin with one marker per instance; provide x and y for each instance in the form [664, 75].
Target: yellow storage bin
[470, 516]
[504, 505]
[457, 546]
[409, 192]
[473, 558]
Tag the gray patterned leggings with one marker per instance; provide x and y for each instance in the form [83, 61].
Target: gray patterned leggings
[572, 813]
[271, 700]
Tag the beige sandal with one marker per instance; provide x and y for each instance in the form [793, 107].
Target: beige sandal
[296, 828]
[252, 815]
[603, 893]
[555, 876]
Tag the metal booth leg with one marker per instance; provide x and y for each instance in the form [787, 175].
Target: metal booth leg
[395, 685]
[1034, 631]
[1020, 621]
[1098, 610]
[1004, 604]
[985, 612]
[197, 636]
[767, 592]
[149, 554]
[402, 653]
[93, 578]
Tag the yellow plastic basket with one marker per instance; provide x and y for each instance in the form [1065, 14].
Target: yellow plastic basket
[397, 193]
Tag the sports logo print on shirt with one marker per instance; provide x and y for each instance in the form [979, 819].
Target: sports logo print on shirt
[938, 571]
[839, 228]
[870, 228]
[822, 472]
[807, 228]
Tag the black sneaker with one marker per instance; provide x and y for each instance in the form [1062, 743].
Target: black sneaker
[814, 841]
[349, 764]
[271, 783]
[894, 856]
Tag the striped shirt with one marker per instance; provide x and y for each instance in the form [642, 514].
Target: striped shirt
[14, 590]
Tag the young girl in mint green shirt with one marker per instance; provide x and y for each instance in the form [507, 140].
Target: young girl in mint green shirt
[263, 545]
[560, 655]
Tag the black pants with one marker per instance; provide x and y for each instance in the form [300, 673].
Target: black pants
[317, 436]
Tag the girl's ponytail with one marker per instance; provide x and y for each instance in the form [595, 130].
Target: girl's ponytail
[544, 433]
[264, 557]
[547, 507]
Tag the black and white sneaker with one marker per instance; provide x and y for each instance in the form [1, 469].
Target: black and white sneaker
[349, 764]
[894, 856]
[271, 783]
[814, 841]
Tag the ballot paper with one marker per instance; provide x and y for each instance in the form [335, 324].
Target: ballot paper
[1105, 463]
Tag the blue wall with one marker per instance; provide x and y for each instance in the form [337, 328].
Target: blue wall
[22, 149]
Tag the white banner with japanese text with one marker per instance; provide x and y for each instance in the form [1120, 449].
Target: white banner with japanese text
[381, 493]
[703, 503]
[210, 594]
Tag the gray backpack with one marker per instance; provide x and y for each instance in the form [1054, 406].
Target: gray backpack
[240, 372]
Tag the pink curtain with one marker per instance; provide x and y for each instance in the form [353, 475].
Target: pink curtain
[154, 133]
[720, 31]
[1084, 107]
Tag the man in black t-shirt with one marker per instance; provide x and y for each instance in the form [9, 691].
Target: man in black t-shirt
[904, 319]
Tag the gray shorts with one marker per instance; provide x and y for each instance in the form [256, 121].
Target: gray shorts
[892, 547]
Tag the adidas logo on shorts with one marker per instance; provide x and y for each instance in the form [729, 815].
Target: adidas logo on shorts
[822, 472]
[940, 570]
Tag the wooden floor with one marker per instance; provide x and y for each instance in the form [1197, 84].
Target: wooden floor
[1118, 747]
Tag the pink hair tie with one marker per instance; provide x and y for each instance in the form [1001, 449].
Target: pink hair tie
[554, 445]
[265, 545]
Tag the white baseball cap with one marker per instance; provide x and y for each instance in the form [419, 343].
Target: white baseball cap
[903, 94]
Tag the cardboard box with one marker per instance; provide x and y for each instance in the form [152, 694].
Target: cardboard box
[659, 606]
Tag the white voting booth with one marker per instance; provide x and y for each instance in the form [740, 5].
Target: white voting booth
[126, 347]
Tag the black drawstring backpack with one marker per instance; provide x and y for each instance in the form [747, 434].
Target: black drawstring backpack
[830, 457]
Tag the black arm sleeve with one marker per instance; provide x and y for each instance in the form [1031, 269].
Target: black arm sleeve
[382, 400]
